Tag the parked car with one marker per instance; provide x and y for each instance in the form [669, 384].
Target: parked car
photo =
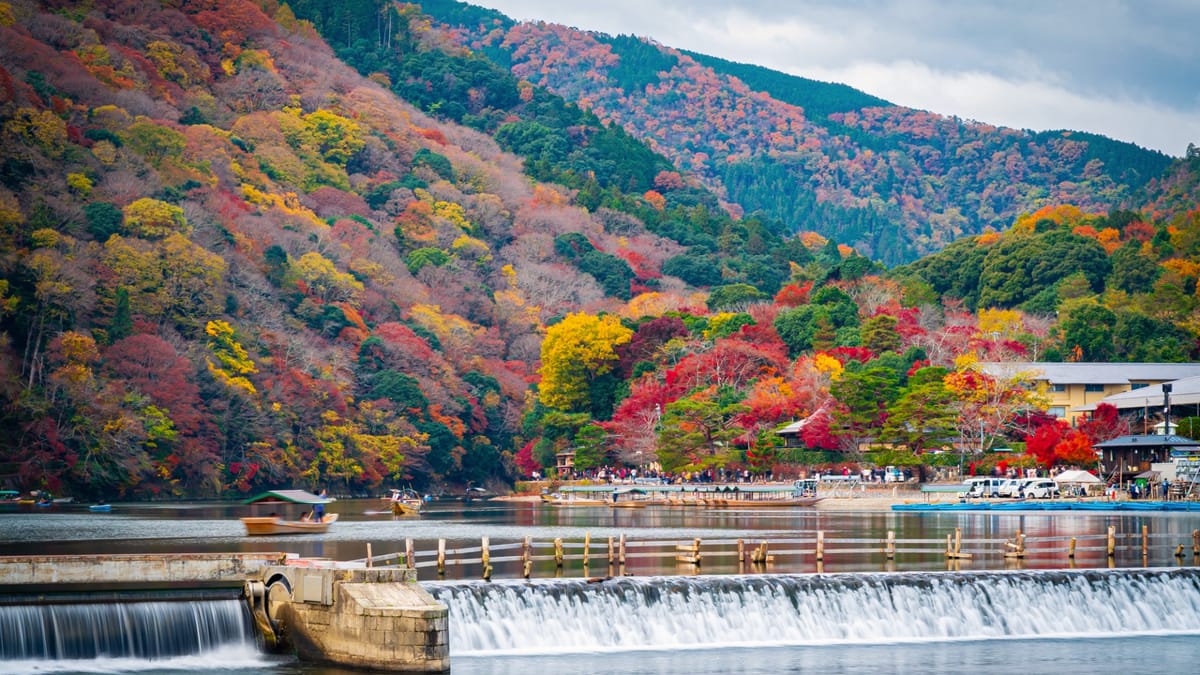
[1011, 487]
[1043, 488]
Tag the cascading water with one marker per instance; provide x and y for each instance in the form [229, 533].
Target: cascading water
[668, 613]
[155, 631]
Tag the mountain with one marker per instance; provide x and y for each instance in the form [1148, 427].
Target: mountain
[235, 256]
[230, 262]
[893, 182]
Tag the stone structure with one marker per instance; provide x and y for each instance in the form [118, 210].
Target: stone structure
[378, 619]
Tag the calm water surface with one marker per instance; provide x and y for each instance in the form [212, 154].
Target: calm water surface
[206, 527]
[163, 528]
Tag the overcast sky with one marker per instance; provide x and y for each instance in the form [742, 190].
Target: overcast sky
[1128, 69]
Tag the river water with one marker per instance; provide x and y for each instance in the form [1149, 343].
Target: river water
[858, 615]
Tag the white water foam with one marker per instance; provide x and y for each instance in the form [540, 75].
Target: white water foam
[525, 618]
[231, 657]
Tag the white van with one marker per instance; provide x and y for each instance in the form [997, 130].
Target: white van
[1011, 487]
[981, 486]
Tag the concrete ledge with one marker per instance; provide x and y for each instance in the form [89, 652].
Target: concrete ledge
[148, 569]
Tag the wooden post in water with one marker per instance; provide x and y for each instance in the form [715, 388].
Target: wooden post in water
[587, 545]
[611, 557]
[1145, 540]
[759, 556]
[741, 551]
[527, 556]
[621, 551]
[1195, 542]
[1071, 549]
[370, 562]
[410, 554]
[1112, 541]
[820, 545]
[1017, 548]
[956, 552]
[441, 557]
[891, 545]
[486, 559]
[558, 552]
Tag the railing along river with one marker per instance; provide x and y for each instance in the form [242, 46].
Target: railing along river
[761, 554]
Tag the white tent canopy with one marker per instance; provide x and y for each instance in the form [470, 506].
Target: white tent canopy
[1076, 476]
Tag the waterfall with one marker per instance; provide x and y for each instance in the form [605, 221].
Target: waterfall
[627, 613]
[153, 630]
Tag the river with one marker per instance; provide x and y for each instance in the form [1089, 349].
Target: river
[857, 616]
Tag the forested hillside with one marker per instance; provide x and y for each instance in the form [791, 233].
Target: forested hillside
[235, 257]
[893, 182]
[231, 262]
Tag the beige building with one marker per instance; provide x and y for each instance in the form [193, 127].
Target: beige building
[1074, 388]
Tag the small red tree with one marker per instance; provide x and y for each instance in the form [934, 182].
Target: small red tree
[1075, 448]
[1043, 441]
[1105, 424]
[525, 460]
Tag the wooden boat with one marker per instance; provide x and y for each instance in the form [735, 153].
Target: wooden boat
[269, 525]
[405, 502]
[314, 521]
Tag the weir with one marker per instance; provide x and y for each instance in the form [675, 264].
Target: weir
[144, 630]
[629, 613]
[62, 608]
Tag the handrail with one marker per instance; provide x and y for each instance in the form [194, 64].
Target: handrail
[764, 551]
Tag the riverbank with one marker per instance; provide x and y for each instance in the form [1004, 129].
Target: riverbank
[871, 499]
[865, 501]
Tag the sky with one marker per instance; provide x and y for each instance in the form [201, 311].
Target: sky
[1127, 69]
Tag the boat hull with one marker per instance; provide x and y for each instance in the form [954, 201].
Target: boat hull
[270, 525]
[406, 508]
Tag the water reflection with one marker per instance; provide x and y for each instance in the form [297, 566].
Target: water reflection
[210, 527]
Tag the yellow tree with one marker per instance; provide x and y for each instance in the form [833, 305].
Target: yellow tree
[233, 362]
[578, 351]
[334, 460]
[322, 280]
[154, 219]
[334, 137]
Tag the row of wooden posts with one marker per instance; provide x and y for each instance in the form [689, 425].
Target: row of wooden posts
[691, 554]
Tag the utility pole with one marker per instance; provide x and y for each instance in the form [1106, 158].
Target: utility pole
[1166, 408]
